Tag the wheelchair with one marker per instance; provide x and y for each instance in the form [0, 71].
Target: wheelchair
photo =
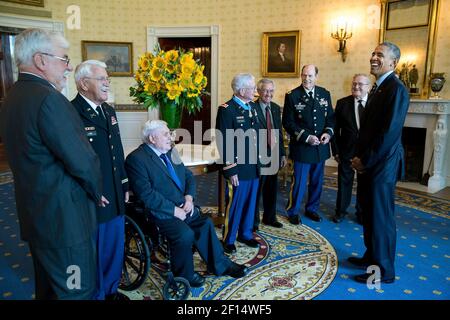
[142, 242]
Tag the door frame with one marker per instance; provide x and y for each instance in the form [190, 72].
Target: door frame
[212, 31]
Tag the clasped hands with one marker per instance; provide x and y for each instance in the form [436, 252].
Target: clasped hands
[186, 209]
[315, 141]
[357, 165]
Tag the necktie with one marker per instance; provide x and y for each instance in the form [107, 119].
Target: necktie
[360, 111]
[100, 112]
[270, 138]
[311, 94]
[171, 170]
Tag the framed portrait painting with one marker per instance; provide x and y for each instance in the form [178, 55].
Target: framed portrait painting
[37, 3]
[118, 56]
[281, 54]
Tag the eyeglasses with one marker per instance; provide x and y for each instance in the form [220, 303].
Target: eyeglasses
[359, 84]
[65, 59]
[267, 91]
[102, 79]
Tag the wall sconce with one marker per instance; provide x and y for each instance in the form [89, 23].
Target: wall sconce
[341, 30]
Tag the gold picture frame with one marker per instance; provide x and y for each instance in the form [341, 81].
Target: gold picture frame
[281, 54]
[412, 26]
[118, 56]
[407, 14]
[37, 3]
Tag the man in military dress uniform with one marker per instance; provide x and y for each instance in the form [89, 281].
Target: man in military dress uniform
[237, 125]
[309, 120]
[102, 130]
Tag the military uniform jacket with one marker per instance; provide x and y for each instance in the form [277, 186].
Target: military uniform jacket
[303, 116]
[104, 137]
[237, 140]
[276, 124]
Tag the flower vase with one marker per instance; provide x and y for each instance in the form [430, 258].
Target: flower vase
[171, 113]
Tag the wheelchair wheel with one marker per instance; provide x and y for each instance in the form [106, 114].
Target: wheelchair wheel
[136, 258]
[178, 289]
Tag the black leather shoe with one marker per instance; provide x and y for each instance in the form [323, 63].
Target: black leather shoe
[339, 216]
[117, 297]
[229, 248]
[295, 219]
[313, 216]
[197, 280]
[236, 270]
[250, 242]
[360, 262]
[362, 278]
[274, 224]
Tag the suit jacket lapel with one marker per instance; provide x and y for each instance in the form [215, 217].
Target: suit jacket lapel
[179, 170]
[88, 113]
[261, 117]
[107, 116]
[157, 160]
[351, 106]
[274, 112]
[305, 97]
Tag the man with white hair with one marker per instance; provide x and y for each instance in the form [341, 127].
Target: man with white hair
[237, 125]
[167, 189]
[56, 172]
[102, 130]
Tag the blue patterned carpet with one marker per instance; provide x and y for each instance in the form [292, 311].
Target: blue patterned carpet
[422, 261]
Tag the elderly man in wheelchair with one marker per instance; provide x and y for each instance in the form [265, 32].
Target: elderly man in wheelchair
[166, 188]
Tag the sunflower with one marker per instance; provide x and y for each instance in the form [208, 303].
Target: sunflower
[151, 87]
[173, 90]
[172, 56]
[159, 63]
[156, 74]
[169, 76]
[170, 68]
[144, 63]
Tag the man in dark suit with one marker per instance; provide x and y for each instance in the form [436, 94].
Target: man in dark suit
[167, 189]
[379, 161]
[56, 173]
[309, 120]
[237, 141]
[102, 130]
[348, 114]
[279, 61]
[271, 151]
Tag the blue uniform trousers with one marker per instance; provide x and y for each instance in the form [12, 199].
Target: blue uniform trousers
[110, 251]
[298, 187]
[240, 210]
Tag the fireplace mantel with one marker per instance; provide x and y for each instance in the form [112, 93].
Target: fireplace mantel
[433, 114]
[429, 106]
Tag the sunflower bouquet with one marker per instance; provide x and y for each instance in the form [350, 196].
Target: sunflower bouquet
[168, 77]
